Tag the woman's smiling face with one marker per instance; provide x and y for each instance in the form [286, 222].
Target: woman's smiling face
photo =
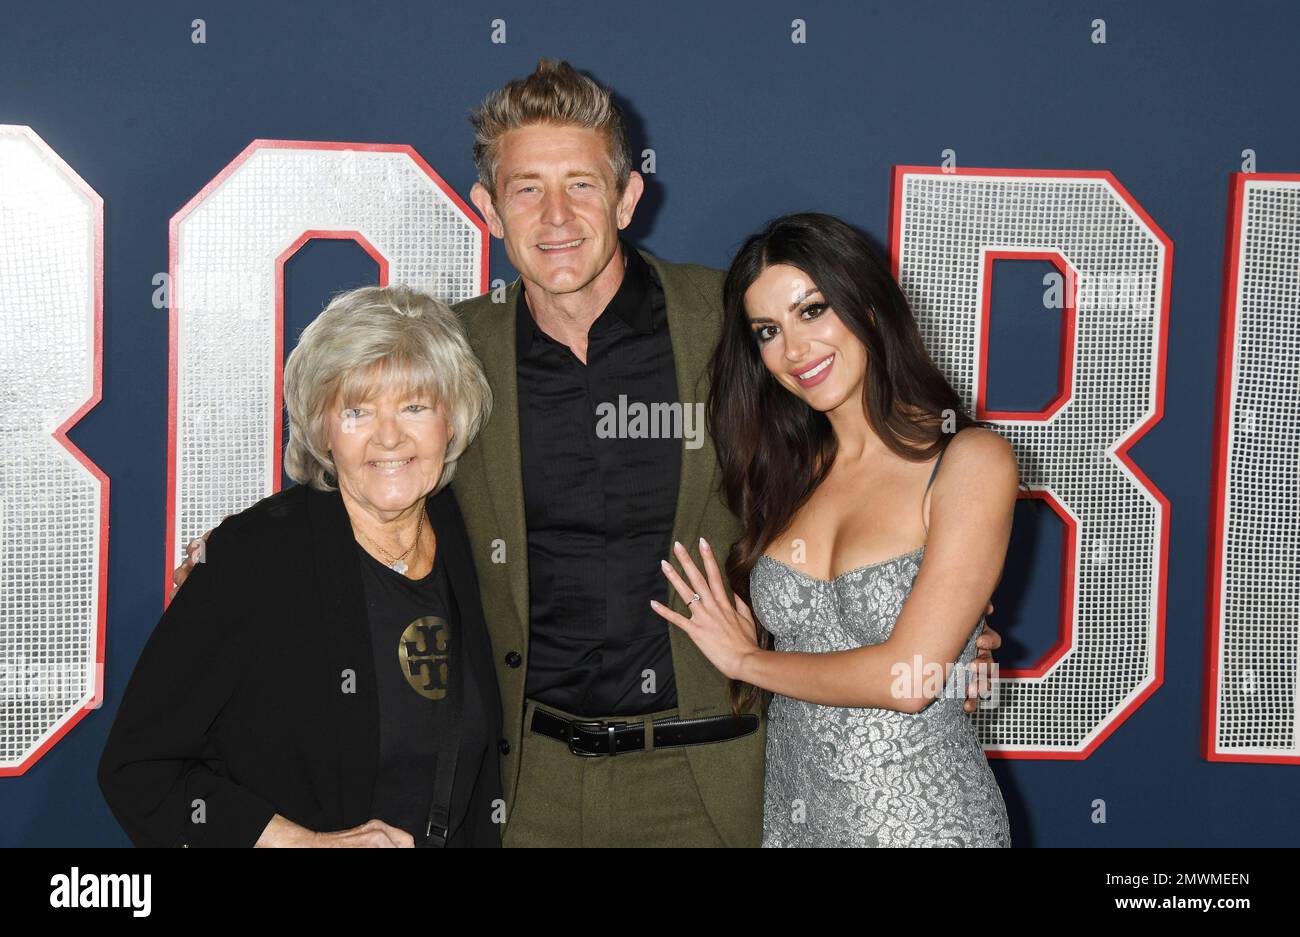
[802, 340]
[388, 449]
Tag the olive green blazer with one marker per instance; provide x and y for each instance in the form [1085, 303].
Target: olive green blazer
[489, 487]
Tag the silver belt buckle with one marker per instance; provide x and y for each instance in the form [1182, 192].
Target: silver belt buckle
[593, 726]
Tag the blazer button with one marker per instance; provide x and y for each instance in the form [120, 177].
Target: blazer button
[514, 659]
[504, 746]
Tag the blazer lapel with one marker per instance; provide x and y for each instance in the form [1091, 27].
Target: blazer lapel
[693, 326]
[347, 648]
[694, 322]
[498, 447]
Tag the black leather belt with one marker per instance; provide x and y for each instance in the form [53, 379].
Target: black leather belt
[591, 738]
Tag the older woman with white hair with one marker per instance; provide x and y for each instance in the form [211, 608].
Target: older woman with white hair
[325, 677]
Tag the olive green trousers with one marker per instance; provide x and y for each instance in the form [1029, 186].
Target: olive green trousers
[644, 798]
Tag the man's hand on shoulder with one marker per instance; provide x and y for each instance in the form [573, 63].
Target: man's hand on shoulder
[195, 553]
[987, 642]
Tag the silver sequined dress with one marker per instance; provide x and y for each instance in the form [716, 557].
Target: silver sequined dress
[838, 776]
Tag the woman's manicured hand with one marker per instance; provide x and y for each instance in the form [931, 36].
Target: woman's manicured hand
[724, 633]
[727, 635]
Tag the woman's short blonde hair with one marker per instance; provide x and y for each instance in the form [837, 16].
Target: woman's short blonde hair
[369, 341]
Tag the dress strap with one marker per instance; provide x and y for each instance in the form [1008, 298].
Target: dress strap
[936, 469]
[933, 473]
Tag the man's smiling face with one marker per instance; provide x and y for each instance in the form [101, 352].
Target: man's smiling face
[557, 204]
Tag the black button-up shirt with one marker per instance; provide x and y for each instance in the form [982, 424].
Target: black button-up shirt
[599, 504]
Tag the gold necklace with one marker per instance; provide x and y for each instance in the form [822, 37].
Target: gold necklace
[398, 563]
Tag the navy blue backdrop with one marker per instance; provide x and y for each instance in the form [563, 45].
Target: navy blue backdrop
[745, 125]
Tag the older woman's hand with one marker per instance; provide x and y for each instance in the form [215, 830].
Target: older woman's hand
[284, 833]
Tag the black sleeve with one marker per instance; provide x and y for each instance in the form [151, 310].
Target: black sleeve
[480, 829]
[159, 771]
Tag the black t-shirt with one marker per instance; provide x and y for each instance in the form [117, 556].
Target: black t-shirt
[415, 633]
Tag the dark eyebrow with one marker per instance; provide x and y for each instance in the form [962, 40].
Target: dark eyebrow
[808, 292]
[812, 291]
[798, 299]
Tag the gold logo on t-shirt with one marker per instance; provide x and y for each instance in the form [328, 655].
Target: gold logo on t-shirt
[425, 656]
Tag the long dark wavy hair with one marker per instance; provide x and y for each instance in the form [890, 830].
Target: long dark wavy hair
[773, 448]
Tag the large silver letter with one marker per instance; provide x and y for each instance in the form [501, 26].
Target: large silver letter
[946, 229]
[53, 500]
[1253, 602]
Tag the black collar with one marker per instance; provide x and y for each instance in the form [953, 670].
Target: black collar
[632, 304]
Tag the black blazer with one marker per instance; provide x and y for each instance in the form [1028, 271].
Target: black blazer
[237, 709]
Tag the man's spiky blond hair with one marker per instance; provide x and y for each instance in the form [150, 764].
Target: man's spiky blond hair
[555, 93]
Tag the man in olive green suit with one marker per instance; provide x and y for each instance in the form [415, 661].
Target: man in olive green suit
[553, 186]
[488, 487]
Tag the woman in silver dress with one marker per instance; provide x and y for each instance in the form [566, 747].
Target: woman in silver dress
[867, 567]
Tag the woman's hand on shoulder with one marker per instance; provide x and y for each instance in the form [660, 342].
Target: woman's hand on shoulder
[282, 833]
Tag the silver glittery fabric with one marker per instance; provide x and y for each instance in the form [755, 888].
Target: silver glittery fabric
[839, 776]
